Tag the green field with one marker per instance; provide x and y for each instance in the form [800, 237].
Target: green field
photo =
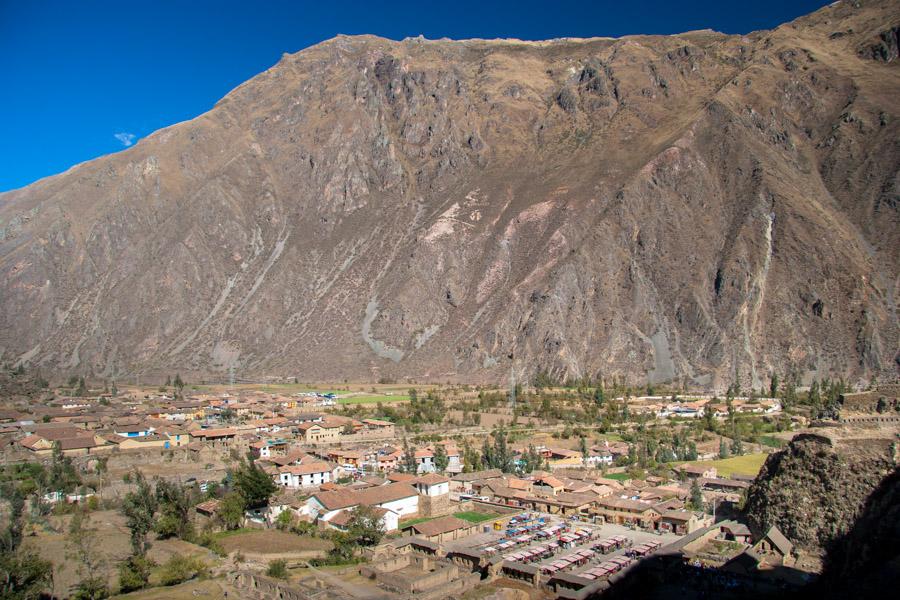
[411, 522]
[617, 476]
[749, 464]
[772, 441]
[373, 399]
[473, 516]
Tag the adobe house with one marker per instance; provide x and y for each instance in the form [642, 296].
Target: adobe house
[442, 529]
[773, 547]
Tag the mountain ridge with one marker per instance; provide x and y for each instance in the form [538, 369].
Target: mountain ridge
[438, 210]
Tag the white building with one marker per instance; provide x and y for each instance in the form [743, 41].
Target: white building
[398, 500]
[305, 475]
[432, 485]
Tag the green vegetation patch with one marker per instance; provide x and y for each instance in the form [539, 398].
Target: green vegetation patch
[617, 476]
[473, 516]
[772, 441]
[373, 399]
[748, 464]
[411, 522]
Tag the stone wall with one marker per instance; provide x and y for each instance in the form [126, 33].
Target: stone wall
[434, 506]
[888, 394]
[256, 586]
[423, 576]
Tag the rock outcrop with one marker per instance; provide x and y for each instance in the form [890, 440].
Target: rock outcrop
[816, 489]
[688, 208]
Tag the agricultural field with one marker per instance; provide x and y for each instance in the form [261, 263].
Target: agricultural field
[748, 464]
[373, 399]
[322, 388]
[271, 541]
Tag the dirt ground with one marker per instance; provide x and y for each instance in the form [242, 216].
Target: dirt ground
[112, 541]
[273, 542]
[207, 589]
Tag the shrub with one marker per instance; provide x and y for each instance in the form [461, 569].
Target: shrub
[179, 569]
[134, 573]
[208, 540]
[277, 568]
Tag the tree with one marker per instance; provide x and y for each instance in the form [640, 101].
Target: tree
[82, 389]
[62, 476]
[737, 447]
[471, 458]
[231, 510]
[284, 520]
[178, 383]
[583, 447]
[441, 460]
[409, 457]
[696, 500]
[254, 484]
[723, 448]
[773, 386]
[691, 453]
[82, 545]
[365, 527]
[24, 575]
[139, 508]
[174, 508]
[114, 390]
[531, 460]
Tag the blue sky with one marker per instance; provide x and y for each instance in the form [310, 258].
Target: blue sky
[84, 78]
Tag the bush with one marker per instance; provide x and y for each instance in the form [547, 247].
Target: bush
[134, 573]
[208, 540]
[277, 568]
[179, 569]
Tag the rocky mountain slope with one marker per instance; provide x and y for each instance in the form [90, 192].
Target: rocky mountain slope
[866, 562]
[692, 207]
[817, 488]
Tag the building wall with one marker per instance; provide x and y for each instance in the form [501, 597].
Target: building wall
[403, 506]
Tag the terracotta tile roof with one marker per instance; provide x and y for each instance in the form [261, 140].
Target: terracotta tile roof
[77, 443]
[431, 479]
[345, 498]
[30, 441]
[306, 468]
[209, 507]
[213, 433]
[440, 525]
[476, 475]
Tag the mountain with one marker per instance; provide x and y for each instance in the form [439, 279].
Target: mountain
[693, 208]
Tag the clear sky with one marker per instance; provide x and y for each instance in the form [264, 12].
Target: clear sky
[83, 78]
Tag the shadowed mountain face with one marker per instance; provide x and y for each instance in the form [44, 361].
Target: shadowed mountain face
[691, 207]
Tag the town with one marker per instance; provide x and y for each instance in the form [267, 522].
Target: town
[389, 490]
